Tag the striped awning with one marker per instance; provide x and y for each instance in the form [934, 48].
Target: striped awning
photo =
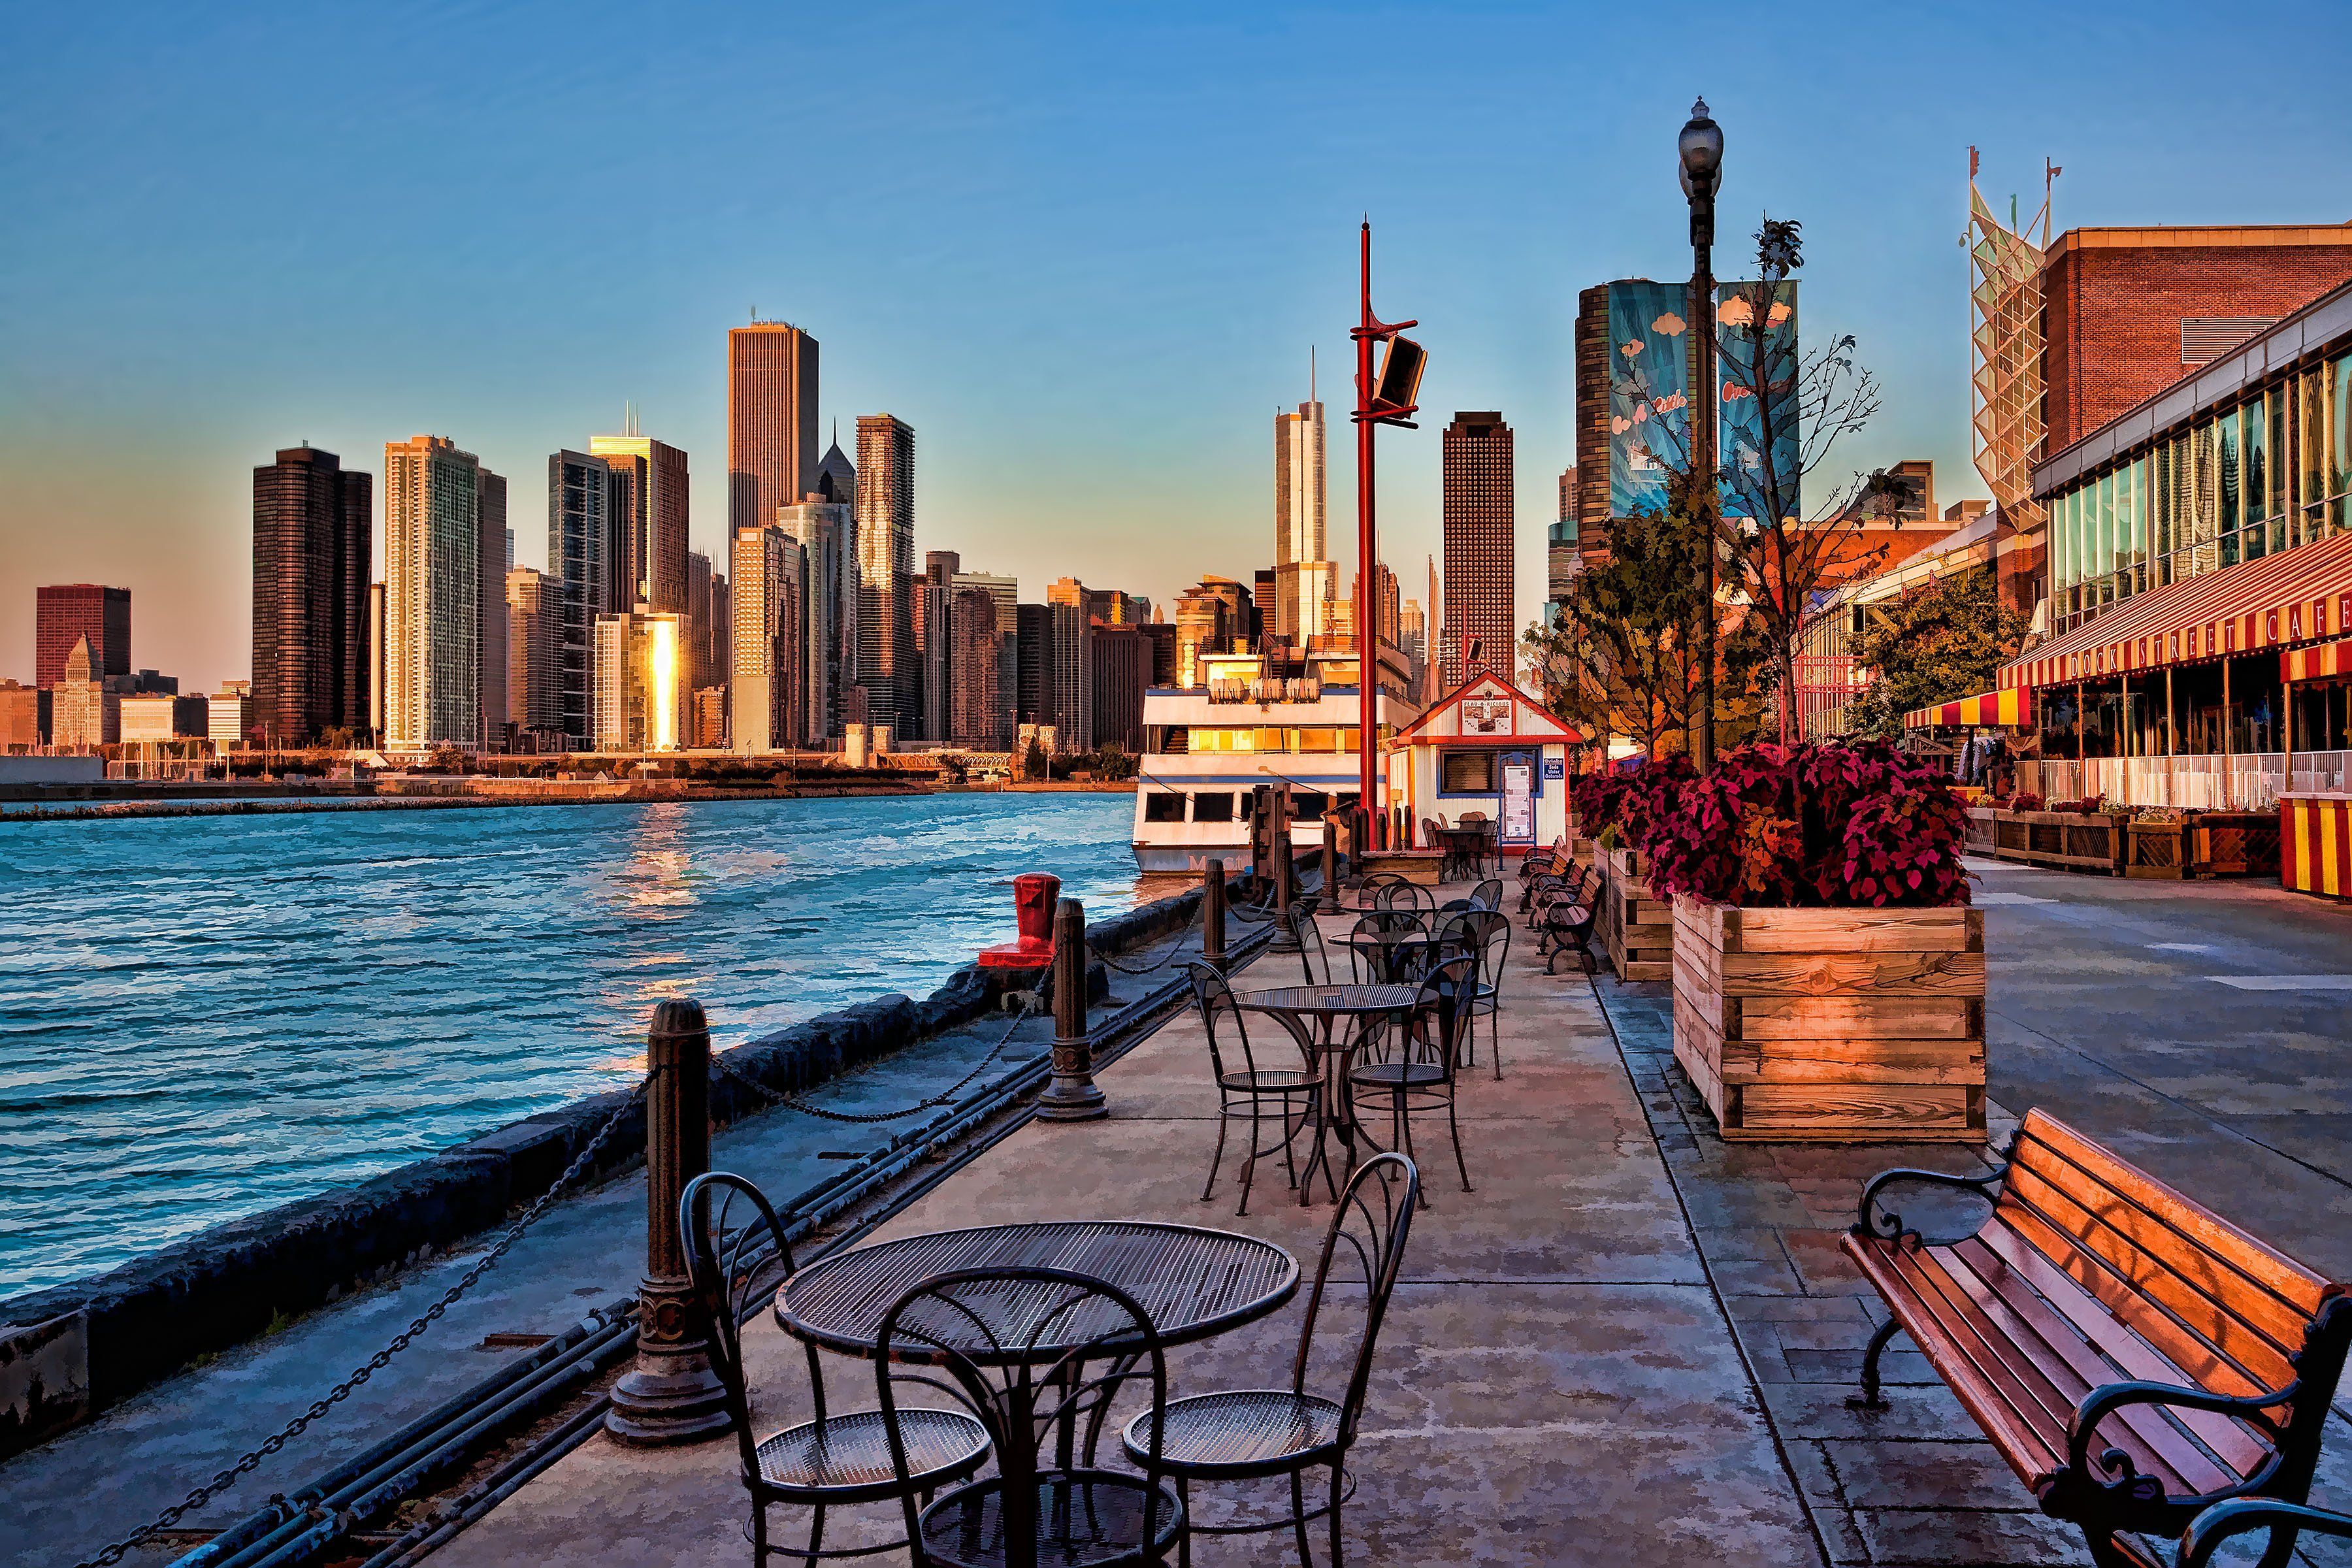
[2013, 707]
[2296, 596]
[2327, 661]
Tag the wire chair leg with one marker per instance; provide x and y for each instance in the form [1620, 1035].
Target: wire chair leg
[1336, 1474]
[816, 1532]
[759, 1534]
[1298, 1517]
[1218, 1157]
[1249, 1161]
[1455, 1127]
[1495, 1036]
[1185, 1537]
[1289, 1137]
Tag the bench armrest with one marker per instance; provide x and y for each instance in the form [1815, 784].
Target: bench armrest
[2107, 1398]
[2223, 1519]
[1889, 1225]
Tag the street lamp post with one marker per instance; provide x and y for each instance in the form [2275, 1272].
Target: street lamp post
[1387, 400]
[1700, 150]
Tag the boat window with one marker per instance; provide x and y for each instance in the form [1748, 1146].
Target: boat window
[1213, 806]
[1161, 806]
[1468, 772]
[1307, 807]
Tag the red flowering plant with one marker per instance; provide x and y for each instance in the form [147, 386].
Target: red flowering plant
[1859, 824]
[1628, 799]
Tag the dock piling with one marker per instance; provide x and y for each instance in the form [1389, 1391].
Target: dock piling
[672, 1394]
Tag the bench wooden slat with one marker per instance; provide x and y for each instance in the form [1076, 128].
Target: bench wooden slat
[2216, 1276]
[2029, 1452]
[2299, 1287]
[2077, 1365]
[2079, 1242]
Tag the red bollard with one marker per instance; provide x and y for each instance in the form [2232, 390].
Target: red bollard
[1034, 896]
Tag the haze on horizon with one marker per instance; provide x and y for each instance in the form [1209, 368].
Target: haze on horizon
[1082, 252]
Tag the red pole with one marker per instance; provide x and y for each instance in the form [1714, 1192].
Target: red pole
[1366, 559]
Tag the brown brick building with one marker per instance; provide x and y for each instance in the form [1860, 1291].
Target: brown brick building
[64, 614]
[2129, 312]
[1481, 563]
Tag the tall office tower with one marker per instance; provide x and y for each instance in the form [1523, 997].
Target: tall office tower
[532, 707]
[770, 590]
[1481, 635]
[975, 666]
[1067, 591]
[933, 636]
[1161, 636]
[654, 529]
[940, 566]
[827, 534]
[1265, 589]
[1314, 598]
[312, 540]
[1561, 560]
[65, 613]
[641, 696]
[1005, 593]
[885, 562]
[1033, 634]
[836, 476]
[587, 558]
[497, 543]
[1071, 672]
[444, 532]
[1298, 509]
[770, 421]
[375, 602]
[1412, 641]
[697, 620]
[719, 631]
[1122, 669]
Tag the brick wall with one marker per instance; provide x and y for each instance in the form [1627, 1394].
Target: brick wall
[2113, 313]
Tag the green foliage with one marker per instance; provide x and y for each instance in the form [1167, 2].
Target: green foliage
[1940, 641]
[1624, 655]
[1033, 766]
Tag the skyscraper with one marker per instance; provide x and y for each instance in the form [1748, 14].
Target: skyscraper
[976, 709]
[1299, 516]
[65, 613]
[770, 591]
[641, 699]
[83, 712]
[1070, 674]
[886, 568]
[312, 540]
[587, 573]
[532, 601]
[1480, 630]
[657, 516]
[827, 536]
[444, 535]
[770, 421]
[1122, 669]
[1561, 560]
[700, 671]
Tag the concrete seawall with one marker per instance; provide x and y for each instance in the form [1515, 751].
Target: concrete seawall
[74, 1349]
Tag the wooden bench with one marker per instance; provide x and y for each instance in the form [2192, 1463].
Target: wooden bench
[2135, 1357]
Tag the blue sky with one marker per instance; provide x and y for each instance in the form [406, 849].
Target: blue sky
[1081, 250]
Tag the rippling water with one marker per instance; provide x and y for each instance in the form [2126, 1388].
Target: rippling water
[204, 1018]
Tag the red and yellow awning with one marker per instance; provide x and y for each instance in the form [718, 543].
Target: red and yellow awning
[2329, 660]
[2013, 709]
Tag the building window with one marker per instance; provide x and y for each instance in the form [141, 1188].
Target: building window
[1465, 772]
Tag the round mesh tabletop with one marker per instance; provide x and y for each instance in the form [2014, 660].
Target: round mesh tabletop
[1330, 1000]
[1192, 1281]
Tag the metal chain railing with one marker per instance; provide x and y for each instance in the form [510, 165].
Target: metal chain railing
[1175, 945]
[1032, 1004]
[294, 1428]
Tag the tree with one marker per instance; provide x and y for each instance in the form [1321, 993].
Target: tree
[1786, 411]
[1626, 651]
[1033, 766]
[1944, 639]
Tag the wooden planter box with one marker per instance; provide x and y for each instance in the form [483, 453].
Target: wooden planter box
[2234, 844]
[1833, 1026]
[2078, 841]
[1979, 838]
[2158, 850]
[1636, 927]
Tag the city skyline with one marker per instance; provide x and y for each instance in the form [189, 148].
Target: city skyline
[982, 321]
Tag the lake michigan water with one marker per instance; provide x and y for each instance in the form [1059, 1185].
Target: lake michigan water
[204, 1018]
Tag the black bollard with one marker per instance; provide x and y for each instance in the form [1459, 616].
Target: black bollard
[671, 1394]
[1072, 1096]
[1286, 879]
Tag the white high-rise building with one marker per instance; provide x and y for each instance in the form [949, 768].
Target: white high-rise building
[1299, 497]
[641, 692]
[769, 648]
[445, 657]
[827, 536]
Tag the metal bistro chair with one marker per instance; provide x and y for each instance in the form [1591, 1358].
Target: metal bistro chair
[1365, 966]
[736, 1254]
[1411, 897]
[1489, 934]
[1488, 894]
[1253, 1434]
[1416, 1076]
[991, 1332]
[1244, 1090]
[1314, 958]
[1368, 891]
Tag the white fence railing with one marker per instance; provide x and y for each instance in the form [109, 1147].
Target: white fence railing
[2211, 783]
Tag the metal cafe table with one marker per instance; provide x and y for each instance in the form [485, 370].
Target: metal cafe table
[1192, 1282]
[1389, 953]
[1313, 1014]
[1466, 848]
